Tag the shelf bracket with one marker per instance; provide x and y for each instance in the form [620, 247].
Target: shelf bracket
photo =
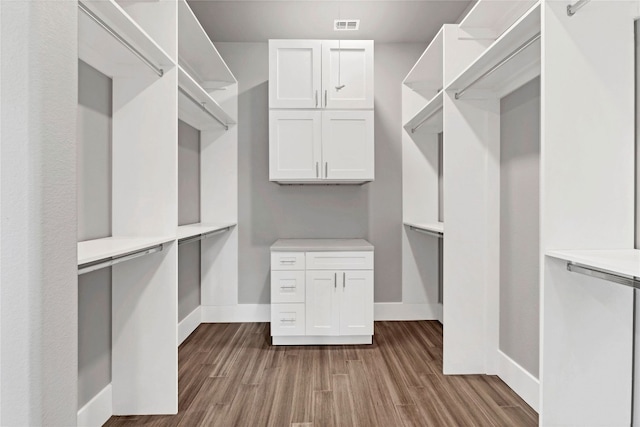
[630, 281]
[573, 8]
[202, 236]
[427, 232]
[99, 264]
[203, 108]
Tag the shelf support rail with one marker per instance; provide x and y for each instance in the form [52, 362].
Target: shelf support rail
[97, 265]
[423, 121]
[573, 8]
[203, 108]
[202, 236]
[159, 71]
[512, 55]
[428, 232]
[630, 281]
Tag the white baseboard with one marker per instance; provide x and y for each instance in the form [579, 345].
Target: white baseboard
[519, 379]
[98, 410]
[403, 311]
[189, 324]
[236, 313]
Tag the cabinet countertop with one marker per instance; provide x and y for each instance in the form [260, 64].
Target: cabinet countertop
[319, 245]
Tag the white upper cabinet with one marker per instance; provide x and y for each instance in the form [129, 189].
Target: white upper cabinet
[321, 74]
[347, 74]
[348, 145]
[294, 73]
[295, 148]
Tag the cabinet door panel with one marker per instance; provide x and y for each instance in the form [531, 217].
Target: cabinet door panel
[322, 303]
[287, 319]
[347, 74]
[287, 286]
[356, 304]
[348, 145]
[294, 73]
[295, 139]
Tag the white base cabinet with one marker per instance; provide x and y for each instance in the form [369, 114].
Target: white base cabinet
[321, 296]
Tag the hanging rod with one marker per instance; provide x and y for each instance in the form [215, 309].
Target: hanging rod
[499, 64]
[428, 232]
[97, 265]
[136, 52]
[202, 236]
[633, 282]
[573, 8]
[423, 121]
[203, 108]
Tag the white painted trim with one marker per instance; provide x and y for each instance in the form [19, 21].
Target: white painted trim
[236, 313]
[519, 379]
[98, 410]
[322, 340]
[403, 311]
[189, 324]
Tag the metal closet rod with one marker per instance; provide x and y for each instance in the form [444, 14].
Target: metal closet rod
[499, 64]
[423, 121]
[573, 8]
[202, 236]
[630, 281]
[97, 265]
[203, 108]
[429, 232]
[159, 71]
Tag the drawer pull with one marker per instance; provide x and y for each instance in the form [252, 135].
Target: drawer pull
[287, 287]
[287, 320]
[287, 261]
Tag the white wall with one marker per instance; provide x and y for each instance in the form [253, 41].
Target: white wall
[268, 211]
[38, 292]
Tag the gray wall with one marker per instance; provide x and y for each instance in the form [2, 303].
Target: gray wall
[520, 226]
[188, 213]
[94, 221]
[268, 211]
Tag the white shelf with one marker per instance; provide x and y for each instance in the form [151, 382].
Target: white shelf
[521, 69]
[109, 247]
[620, 261]
[490, 18]
[426, 76]
[192, 230]
[103, 51]
[433, 227]
[429, 118]
[192, 113]
[198, 54]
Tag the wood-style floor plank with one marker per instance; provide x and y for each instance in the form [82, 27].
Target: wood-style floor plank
[230, 375]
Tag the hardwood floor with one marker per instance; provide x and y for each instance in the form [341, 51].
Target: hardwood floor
[229, 375]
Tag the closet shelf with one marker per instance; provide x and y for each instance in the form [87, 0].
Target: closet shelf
[113, 43]
[489, 19]
[197, 108]
[624, 262]
[198, 55]
[426, 76]
[429, 119]
[506, 65]
[433, 228]
[195, 230]
[91, 251]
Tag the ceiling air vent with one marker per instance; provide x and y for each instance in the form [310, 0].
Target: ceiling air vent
[346, 24]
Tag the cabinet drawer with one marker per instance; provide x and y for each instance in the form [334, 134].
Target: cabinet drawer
[287, 319]
[287, 286]
[287, 260]
[339, 260]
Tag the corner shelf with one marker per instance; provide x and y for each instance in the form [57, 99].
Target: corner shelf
[107, 51]
[426, 76]
[195, 114]
[197, 54]
[433, 228]
[522, 68]
[189, 231]
[429, 118]
[489, 19]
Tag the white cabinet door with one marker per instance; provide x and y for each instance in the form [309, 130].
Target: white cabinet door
[347, 74]
[295, 149]
[356, 303]
[322, 303]
[294, 73]
[348, 145]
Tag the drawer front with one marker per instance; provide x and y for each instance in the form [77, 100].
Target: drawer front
[287, 286]
[287, 260]
[339, 260]
[287, 319]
